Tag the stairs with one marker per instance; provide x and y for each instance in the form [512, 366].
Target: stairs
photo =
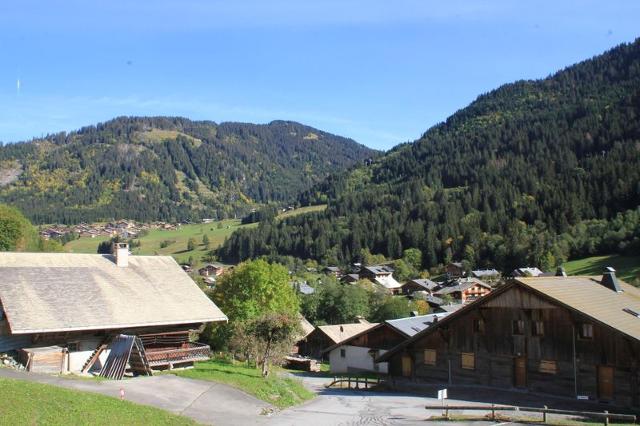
[95, 355]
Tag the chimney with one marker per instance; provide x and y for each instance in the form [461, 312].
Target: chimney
[560, 272]
[121, 252]
[610, 281]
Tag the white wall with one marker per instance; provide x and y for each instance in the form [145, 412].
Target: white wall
[356, 359]
[86, 347]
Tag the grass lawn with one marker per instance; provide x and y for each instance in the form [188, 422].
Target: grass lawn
[627, 267]
[27, 403]
[280, 391]
[177, 247]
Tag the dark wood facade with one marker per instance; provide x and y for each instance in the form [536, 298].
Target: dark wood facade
[381, 337]
[518, 339]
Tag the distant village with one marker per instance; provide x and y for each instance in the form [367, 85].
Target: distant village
[122, 228]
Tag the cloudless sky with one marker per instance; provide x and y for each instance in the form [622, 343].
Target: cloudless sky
[379, 71]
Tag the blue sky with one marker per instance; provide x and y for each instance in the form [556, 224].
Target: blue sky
[381, 72]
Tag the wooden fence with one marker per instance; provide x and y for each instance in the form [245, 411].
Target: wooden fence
[604, 416]
[355, 381]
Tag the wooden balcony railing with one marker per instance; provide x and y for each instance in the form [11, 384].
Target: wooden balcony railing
[189, 352]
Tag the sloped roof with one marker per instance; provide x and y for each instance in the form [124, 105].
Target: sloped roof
[587, 295]
[52, 292]
[411, 326]
[424, 283]
[306, 326]
[583, 294]
[461, 285]
[387, 281]
[340, 332]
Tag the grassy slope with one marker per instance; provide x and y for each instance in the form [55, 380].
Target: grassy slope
[627, 267]
[34, 403]
[302, 210]
[279, 391]
[178, 249]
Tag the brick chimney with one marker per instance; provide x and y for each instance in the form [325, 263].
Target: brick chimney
[121, 252]
[610, 281]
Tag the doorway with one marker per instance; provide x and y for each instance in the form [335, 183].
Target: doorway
[605, 382]
[406, 365]
[520, 372]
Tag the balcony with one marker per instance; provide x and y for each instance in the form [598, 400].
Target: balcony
[167, 357]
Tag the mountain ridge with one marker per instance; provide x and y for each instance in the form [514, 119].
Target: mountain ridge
[168, 168]
[515, 177]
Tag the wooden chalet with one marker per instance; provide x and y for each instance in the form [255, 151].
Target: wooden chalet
[463, 290]
[325, 336]
[576, 337]
[419, 284]
[454, 269]
[357, 353]
[68, 308]
[211, 270]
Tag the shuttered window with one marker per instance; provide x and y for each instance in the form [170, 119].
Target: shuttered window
[478, 326]
[468, 360]
[549, 367]
[586, 331]
[537, 328]
[430, 356]
[518, 327]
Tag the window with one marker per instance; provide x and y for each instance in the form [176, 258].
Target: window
[548, 367]
[478, 326]
[586, 331]
[537, 328]
[468, 360]
[73, 346]
[1, 314]
[343, 353]
[430, 356]
[518, 327]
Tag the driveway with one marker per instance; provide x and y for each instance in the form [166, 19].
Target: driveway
[222, 405]
[204, 401]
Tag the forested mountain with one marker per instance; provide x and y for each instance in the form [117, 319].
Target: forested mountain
[531, 173]
[168, 168]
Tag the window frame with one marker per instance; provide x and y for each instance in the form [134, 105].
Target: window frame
[432, 359]
[581, 331]
[518, 327]
[535, 331]
[468, 356]
[479, 326]
[548, 366]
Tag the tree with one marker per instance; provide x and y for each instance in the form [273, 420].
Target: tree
[275, 334]
[191, 244]
[16, 232]
[392, 308]
[403, 271]
[205, 241]
[251, 290]
[413, 257]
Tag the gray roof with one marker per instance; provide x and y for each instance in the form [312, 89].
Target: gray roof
[424, 283]
[479, 273]
[413, 325]
[55, 292]
[460, 285]
[379, 269]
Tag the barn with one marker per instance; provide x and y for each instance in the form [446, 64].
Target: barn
[61, 311]
[577, 337]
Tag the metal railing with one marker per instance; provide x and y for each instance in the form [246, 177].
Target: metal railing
[356, 382]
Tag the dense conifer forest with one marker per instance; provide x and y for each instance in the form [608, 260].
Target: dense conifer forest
[168, 168]
[533, 172]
